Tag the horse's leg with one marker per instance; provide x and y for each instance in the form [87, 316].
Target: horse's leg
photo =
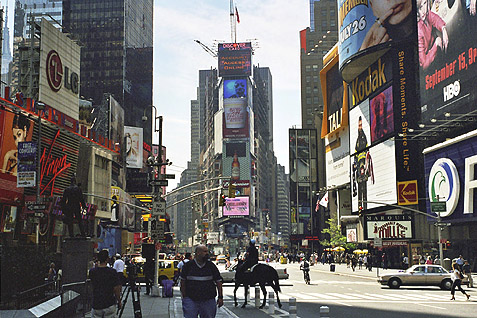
[264, 291]
[245, 294]
[275, 288]
[235, 293]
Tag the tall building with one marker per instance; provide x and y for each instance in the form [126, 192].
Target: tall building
[283, 205]
[116, 56]
[5, 48]
[51, 10]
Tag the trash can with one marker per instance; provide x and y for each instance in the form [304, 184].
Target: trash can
[332, 267]
[447, 264]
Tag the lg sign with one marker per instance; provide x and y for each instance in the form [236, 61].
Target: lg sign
[56, 74]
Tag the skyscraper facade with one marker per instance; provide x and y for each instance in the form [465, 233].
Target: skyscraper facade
[116, 56]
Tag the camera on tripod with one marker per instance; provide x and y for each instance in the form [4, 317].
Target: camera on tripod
[131, 270]
[131, 288]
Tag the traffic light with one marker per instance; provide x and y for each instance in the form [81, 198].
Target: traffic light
[231, 190]
[447, 245]
[360, 210]
[222, 199]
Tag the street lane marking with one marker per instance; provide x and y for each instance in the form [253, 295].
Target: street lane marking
[441, 308]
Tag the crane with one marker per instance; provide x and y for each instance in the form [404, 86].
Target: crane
[206, 48]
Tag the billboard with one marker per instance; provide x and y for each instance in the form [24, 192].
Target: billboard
[116, 121]
[382, 115]
[238, 206]
[236, 118]
[236, 161]
[337, 158]
[236, 88]
[235, 59]
[124, 214]
[450, 177]
[335, 96]
[365, 26]
[447, 58]
[373, 176]
[59, 78]
[235, 230]
[134, 150]
[388, 227]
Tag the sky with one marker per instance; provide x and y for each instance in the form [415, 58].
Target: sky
[275, 24]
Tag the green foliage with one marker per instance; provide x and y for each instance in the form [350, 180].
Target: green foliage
[336, 238]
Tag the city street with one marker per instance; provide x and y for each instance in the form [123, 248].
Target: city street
[351, 294]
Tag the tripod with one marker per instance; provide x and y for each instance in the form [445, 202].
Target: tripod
[132, 288]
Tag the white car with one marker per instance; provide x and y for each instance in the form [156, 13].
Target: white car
[418, 275]
[228, 275]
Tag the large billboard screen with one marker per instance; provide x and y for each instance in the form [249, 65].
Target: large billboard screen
[235, 230]
[14, 128]
[447, 58]
[373, 174]
[382, 115]
[337, 158]
[388, 227]
[116, 121]
[238, 206]
[134, 144]
[59, 78]
[236, 118]
[235, 59]
[236, 161]
[236, 88]
[365, 25]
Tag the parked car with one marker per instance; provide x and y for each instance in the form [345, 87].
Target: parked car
[419, 275]
[221, 259]
[228, 275]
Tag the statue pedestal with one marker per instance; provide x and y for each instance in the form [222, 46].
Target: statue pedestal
[77, 254]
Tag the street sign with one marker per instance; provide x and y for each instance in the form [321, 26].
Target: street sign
[159, 208]
[169, 176]
[157, 228]
[36, 207]
[438, 207]
[158, 183]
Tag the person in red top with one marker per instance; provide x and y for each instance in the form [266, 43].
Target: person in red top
[427, 42]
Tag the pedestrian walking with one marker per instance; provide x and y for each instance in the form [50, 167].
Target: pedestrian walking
[460, 261]
[384, 259]
[200, 284]
[370, 262]
[149, 274]
[437, 261]
[106, 288]
[118, 266]
[405, 261]
[457, 277]
[360, 262]
[365, 261]
[466, 269]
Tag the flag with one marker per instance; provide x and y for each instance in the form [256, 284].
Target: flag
[236, 13]
[324, 200]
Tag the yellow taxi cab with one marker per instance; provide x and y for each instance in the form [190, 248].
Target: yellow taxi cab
[167, 269]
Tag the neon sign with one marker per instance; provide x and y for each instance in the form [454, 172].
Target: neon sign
[52, 167]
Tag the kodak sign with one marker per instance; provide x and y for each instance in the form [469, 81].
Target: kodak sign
[376, 76]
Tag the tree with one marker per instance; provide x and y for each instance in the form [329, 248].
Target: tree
[336, 238]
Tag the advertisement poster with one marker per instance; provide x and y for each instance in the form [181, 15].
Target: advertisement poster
[236, 118]
[27, 154]
[236, 161]
[235, 59]
[116, 121]
[360, 128]
[238, 206]
[447, 58]
[337, 159]
[9, 218]
[134, 151]
[373, 176]
[382, 115]
[366, 24]
[236, 88]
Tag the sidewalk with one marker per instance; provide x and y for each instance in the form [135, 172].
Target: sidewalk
[151, 307]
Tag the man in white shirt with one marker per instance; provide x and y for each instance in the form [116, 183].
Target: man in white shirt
[119, 268]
